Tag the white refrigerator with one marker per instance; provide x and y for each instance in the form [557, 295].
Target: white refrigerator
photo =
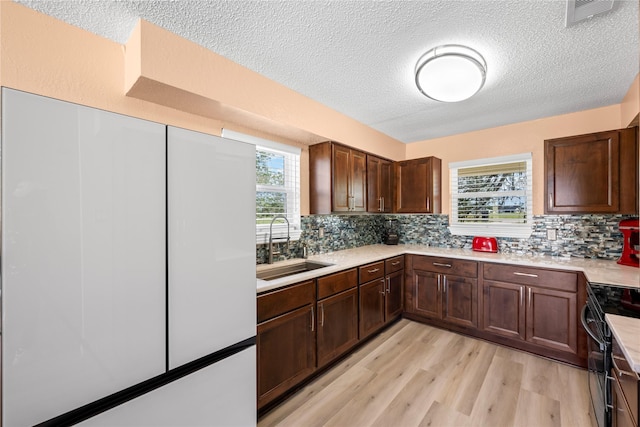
[126, 252]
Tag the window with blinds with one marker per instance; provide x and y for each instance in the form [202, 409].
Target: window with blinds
[277, 186]
[492, 197]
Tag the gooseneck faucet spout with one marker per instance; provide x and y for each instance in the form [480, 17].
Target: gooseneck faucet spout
[271, 251]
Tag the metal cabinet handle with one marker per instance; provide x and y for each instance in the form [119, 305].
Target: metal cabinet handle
[428, 204]
[373, 271]
[530, 298]
[438, 283]
[388, 285]
[322, 322]
[382, 198]
[525, 274]
[439, 264]
[444, 285]
[521, 297]
[395, 263]
[550, 200]
[313, 320]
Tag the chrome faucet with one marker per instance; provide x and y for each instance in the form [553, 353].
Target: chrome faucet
[271, 252]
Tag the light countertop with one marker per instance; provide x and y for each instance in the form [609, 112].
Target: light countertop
[598, 271]
[626, 330]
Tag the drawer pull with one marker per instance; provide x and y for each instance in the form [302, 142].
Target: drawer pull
[373, 271]
[525, 274]
[395, 263]
[313, 320]
[622, 372]
[439, 264]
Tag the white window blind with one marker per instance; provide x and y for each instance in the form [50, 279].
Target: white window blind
[277, 186]
[492, 197]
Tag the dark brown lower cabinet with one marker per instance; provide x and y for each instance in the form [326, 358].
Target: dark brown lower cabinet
[625, 385]
[394, 295]
[337, 325]
[552, 319]
[448, 298]
[286, 347]
[372, 306]
[503, 310]
[382, 296]
[532, 305]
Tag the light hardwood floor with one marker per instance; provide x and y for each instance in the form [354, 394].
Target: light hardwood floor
[416, 375]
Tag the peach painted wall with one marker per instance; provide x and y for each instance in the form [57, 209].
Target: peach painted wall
[42, 55]
[514, 139]
[45, 56]
[630, 106]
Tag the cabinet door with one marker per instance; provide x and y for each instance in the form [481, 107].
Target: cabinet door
[372, 307]
[341, 172]
[427, 297]
[358, 181]
[337, 325]
[417, 185]
[286, 349]
[379, 191]
[374, 203]
[582, 173]
[393, 303]
[460, 300]
[503, 311]
[552, 319]
[411, 186]
[386, 185]
[620, 413]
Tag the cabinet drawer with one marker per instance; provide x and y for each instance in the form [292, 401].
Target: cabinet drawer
[628, 380]
[284, 300]
[371, 271]
[457, 267]
[559, 280]
[338, 282]
[394, 264]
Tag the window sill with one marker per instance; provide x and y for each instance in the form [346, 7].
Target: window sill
[519, 231]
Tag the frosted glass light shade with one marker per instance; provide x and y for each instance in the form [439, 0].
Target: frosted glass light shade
[450, 73]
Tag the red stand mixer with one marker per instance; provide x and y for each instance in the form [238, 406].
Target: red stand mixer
[630, 229]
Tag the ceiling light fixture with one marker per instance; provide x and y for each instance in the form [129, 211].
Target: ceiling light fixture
[450, 73]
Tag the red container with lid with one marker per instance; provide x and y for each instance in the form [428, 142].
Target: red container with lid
[485, 244]
[630, 229]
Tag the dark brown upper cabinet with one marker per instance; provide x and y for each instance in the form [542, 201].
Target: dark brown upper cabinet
[337, 179]
[379, 184]
[593, 173]
[418, 185]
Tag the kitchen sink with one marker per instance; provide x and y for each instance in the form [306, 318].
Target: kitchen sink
[287, 268]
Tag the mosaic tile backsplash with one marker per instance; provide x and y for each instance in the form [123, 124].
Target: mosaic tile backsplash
[584, 236]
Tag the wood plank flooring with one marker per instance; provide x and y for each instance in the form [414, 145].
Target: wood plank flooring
[416, 375]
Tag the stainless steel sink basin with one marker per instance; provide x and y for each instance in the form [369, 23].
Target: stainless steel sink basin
[275, 271]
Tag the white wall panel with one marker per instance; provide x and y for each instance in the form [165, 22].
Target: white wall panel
[212, 283]
[83, 255]
[222, 394]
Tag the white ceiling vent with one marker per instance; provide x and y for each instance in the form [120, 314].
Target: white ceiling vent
[578, 10]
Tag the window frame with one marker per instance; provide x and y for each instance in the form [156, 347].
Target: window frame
[494, 229]
[291, 186]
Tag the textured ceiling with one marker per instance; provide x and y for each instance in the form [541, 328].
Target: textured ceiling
[357, 57]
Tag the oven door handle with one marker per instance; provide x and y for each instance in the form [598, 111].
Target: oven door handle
[585, 325]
